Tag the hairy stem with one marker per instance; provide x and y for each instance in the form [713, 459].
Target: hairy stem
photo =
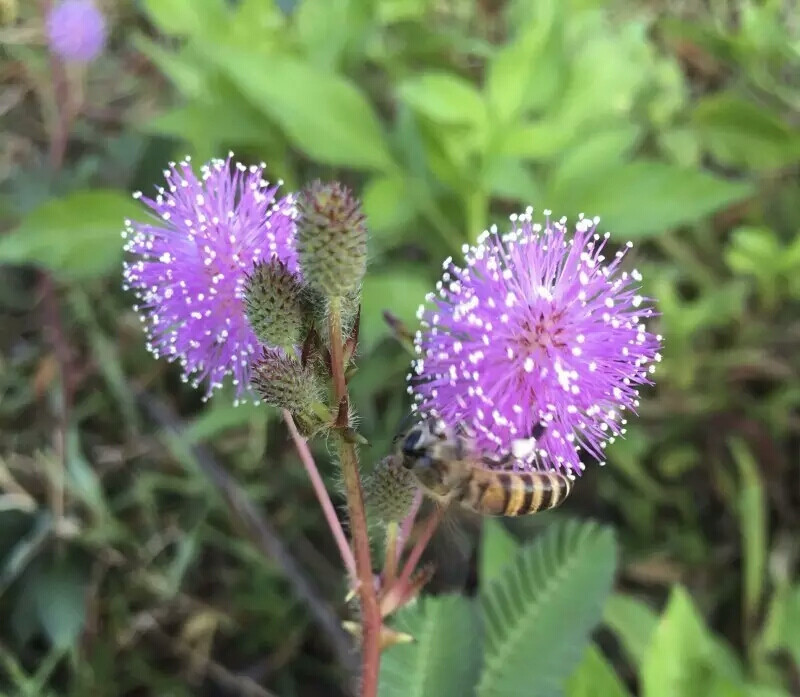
[370, 611]
[396, 594]
[406, 525]
[390, 553]
[323, 497]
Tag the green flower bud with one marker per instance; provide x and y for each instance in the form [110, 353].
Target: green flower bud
[273, 299]
[331, 238]
[283, 382]
[390, 489]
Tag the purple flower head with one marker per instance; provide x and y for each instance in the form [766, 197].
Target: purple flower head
[191, 265]
[537, 343]
[76, 30]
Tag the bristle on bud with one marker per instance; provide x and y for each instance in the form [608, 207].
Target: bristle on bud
[273, 299]
[331, 238]
[390, 490]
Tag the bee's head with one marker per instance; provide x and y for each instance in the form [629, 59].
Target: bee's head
[416, 444]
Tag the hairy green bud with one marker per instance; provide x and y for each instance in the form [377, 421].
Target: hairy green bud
[331, 238]
[390, 489]
[273, 300]
[281, 381]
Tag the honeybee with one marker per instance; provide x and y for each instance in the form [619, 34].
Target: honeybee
[451, 470]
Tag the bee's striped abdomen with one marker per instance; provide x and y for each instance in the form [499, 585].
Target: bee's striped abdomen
[514, 493]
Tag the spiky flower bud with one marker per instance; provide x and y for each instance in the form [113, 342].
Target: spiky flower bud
[390, 490]
[281, 381]
[273, 299]
[331, 238]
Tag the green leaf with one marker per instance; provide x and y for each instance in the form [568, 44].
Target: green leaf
[683, 658]
[25, 549]
[646, 198]
[322, 113]
[222, 416]
[498, 549]
[595, 676]
[444, 97]
[754, 250]
[324, 28]
[740, 133]
[215, 122]
[524, 72]
[539, 613]
[445, 657]
[387, 203]
[782, 626]
[82, 480]
[183, 68]
[590, 157]
[400, 293]
[680, 146]
[752, 510]
[763, 691]
[184, 17]
[60, 599]
[536, 141]
[77, 236]
[511, 179]
[632, 621]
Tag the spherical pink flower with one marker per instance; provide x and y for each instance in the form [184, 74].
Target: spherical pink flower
[191, 263]
[537, 341]
[76, 30]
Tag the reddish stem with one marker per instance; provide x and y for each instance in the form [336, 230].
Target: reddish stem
[407, 524]
[59, 136]
[322, 496]
[395, 596]
[370, 610]
[390, 554]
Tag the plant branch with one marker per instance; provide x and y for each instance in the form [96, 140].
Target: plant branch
[407, 524]
[323, 497]
[390, 554]
[62, 352]
[370, 610]
[59, 136]
[396, 595]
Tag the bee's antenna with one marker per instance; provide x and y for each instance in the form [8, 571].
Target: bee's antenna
[403, 426]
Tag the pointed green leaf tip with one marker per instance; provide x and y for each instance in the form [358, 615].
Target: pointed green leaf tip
[283, 382]
[273, 298]
[390, 490]
[331, 238]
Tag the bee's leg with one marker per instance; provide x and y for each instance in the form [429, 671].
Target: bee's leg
[462, 448]
[537, 430]
[437, 427]
[499, 461]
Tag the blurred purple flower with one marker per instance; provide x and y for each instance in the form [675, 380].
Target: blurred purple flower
[192, 262]
[537, 337]
[76, 30]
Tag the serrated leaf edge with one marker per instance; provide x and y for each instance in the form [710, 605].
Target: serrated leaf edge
[567, 532]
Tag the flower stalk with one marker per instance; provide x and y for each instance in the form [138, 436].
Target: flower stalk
[403, 588]
[390, 553]
[406, 525]
[370, 610]
[322, 496]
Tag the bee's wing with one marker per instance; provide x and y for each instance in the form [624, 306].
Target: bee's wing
[452, 547]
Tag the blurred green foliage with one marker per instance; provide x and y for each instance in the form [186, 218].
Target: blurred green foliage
[122, 570]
